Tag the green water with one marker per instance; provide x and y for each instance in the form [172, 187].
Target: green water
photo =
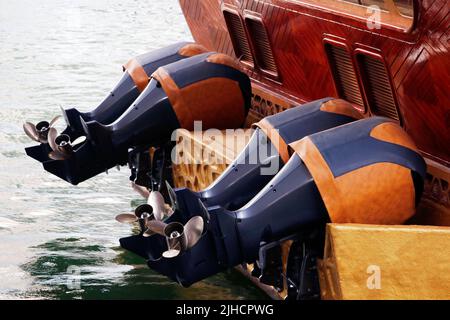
[69, 53]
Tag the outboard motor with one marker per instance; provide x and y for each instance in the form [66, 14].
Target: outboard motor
[136, 76]
[368, 171]
[208, 87]
[265, 154]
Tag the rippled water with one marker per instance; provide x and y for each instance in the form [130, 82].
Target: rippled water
[69, 53]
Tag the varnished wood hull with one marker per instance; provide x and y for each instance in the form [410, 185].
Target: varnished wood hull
[417, 64]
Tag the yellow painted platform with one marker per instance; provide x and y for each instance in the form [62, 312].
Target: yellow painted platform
[385, 262]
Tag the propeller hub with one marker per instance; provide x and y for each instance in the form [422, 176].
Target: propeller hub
[174, 234]
[63, 143]
[174, 230]
[143, 209]
[62, 140]
[42, 129]
[175, 237]
[43, 126]
[145, 215]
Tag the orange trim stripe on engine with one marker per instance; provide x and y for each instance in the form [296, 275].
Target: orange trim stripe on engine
[192, 49]
[341, 107]
[323, 177]
[392, 133]
[224, 59]
[204, 100]
[274, 136]
[137, 73]
[380, 193]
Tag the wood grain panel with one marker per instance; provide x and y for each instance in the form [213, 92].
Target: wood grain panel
[418, 62]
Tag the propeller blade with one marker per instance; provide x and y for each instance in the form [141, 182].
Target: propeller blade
[57, 156]
[31, 131]
[156, 200]
[193, 230]
[156, 227]
[78, 141]
[169, 210]
[147, 233]
[54, 120]
[52, 135]
[141, 190]
[172, 196]
[171, 253]
[126, 218]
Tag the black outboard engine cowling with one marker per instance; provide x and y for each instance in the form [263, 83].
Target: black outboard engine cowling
[135, 78]
[266, 152]
[137, 73]
[368, 171]
[208, 87]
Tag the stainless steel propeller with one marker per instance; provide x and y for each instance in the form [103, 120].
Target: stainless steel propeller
[40, 131]
[143, 191]
[179, 238]
[126, 218]
[144, 211]
[154, 227]
[62, 147]
[155, 199]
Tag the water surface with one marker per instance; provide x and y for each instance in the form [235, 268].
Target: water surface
[69, 53]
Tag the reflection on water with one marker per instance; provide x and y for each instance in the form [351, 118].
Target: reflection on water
[54, 236]
[73, 268]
